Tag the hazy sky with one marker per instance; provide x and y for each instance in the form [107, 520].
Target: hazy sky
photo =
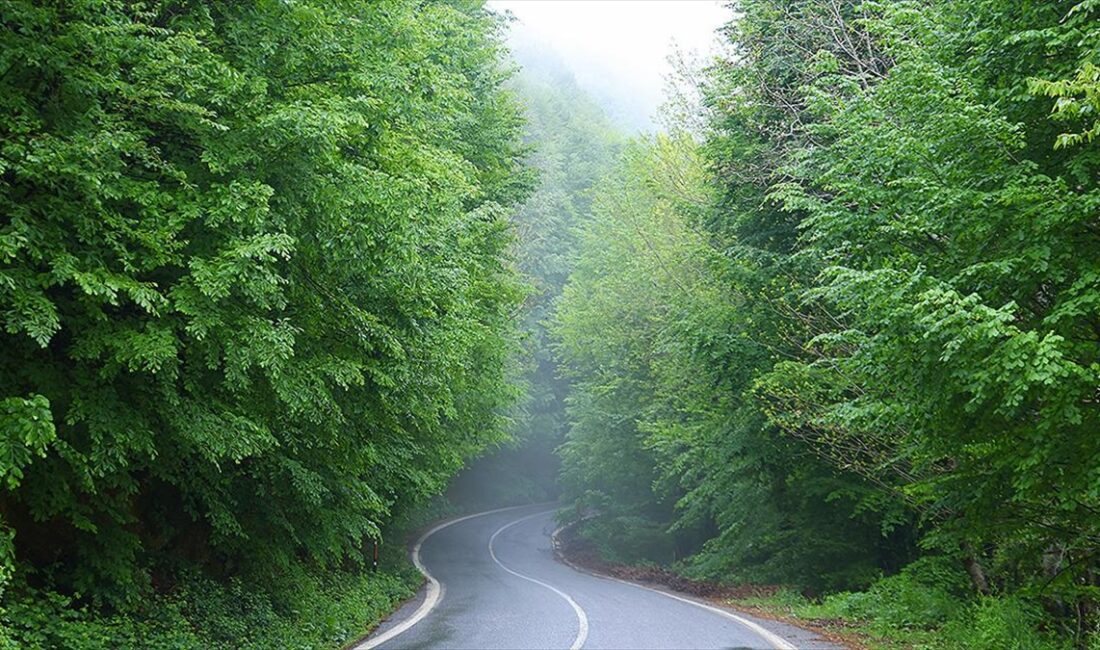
[617, 49]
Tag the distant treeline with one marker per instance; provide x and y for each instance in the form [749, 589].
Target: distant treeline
[572, 144]
[849, 324]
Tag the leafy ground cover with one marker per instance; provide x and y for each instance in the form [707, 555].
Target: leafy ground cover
[304, 611]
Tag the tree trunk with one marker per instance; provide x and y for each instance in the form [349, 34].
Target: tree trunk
[974, 569]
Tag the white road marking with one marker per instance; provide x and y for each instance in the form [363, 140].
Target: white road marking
[582, 618]
[777, 642]
[435, 589]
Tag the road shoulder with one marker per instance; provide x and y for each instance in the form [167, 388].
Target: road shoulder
[403, 612]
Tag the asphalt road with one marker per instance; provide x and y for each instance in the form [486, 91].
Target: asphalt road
[501, 587]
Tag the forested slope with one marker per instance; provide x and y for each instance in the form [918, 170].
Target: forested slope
[849, 328]
[257, 298]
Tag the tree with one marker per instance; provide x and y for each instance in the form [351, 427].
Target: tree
[572, 146]
[257, 291]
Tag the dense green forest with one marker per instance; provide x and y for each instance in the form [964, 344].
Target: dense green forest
[273, 274]
[257, 298]
[842, 332]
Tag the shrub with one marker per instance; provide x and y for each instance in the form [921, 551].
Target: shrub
[629, 539]
[922, 596]
[308, 610]
[998, 624]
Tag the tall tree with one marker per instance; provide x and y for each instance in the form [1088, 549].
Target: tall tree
[255, 277]
[572, 145]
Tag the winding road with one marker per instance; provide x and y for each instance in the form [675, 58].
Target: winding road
[494, 583]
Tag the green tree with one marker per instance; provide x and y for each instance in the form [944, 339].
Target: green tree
[960, 363]
[878, 312]
[255, 277]
[662, 339]
[572, 146]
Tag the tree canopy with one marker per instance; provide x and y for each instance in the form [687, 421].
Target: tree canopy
[852, 322]
[255, 277]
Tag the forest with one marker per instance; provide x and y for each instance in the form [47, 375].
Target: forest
[280, 282]
[840, 331]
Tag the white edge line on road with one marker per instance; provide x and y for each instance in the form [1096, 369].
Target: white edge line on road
[582, 618]
[777, 642]
[435, 590]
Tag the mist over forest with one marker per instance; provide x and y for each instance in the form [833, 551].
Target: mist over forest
[538, 60]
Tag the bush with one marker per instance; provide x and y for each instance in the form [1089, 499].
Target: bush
[39, 619]
[927, 605]
[306, 610]
[629, 539]
[923, 596]
[998, 624]
[920, 608]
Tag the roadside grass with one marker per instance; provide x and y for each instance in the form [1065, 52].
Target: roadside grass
[301, 609]
[898, 613]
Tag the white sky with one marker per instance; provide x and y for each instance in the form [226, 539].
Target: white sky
[617, 49]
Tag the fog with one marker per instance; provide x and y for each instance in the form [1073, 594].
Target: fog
[617, 49]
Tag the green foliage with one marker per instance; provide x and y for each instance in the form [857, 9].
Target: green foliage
[655, 328]
[904, 612]
[1078, 97]
[256, 283]
[304, 611]
[949, 356]
[925, 595]
[1077, 94]
[572, 146]
[633, 255]
[28, 429]
[999, 623]
[873, 333]
[629, 539]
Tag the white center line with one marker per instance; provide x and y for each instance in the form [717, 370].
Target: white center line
[582, 618]
[435, 590]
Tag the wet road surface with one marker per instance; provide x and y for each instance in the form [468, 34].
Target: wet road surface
[501, 587]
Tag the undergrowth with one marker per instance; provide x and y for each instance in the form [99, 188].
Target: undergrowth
[925, 607]
[301, 610]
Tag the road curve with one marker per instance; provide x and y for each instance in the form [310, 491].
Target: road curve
[494, 583]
